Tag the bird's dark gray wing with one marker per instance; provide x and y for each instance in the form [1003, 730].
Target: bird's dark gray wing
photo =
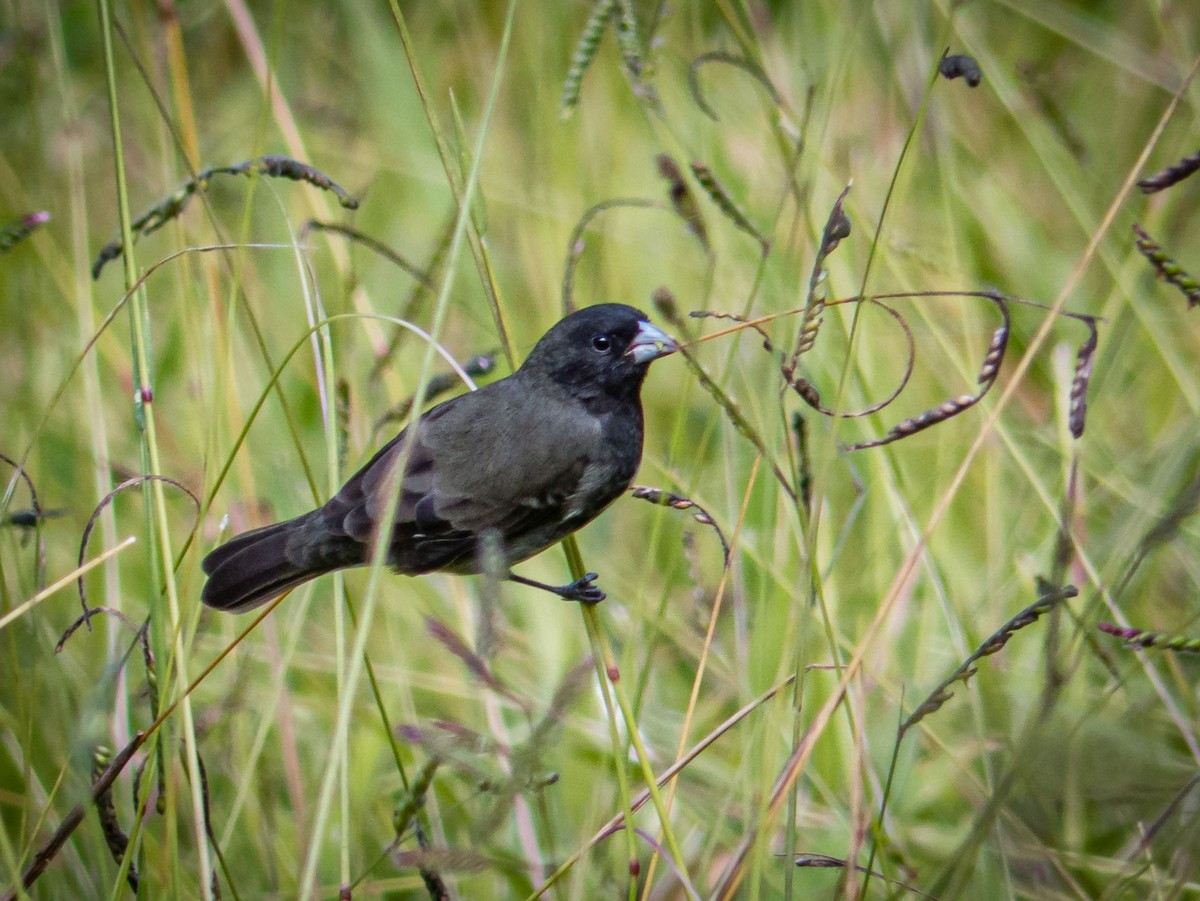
[469, 472]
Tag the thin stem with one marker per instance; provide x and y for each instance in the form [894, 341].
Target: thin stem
[162, 568]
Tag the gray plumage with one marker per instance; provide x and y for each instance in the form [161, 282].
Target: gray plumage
[529, 458]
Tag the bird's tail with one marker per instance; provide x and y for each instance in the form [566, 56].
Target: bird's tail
[255, 567]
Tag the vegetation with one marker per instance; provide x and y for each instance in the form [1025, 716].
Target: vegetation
[940, 649]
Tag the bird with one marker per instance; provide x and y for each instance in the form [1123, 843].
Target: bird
[527, 460]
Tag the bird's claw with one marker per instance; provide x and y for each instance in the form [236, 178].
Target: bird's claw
[583, 590]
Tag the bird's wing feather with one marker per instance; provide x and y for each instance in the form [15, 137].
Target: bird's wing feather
[462, 477]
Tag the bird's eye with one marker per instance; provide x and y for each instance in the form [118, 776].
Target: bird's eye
[602, 344]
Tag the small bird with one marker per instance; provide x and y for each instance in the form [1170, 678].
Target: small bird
[528, 459]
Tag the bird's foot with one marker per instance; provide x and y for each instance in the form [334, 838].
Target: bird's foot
[581, 590]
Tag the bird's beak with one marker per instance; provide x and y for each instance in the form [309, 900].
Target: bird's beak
[649, 343]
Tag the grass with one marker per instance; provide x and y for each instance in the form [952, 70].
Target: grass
[380, 736]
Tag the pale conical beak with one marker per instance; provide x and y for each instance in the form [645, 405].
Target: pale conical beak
[649, 343]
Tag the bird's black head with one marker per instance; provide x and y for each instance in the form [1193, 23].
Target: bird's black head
[603, 349]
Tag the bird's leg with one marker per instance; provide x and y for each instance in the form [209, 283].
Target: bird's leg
[581, 590]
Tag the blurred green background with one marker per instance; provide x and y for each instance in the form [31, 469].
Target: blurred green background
[1064, 769]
